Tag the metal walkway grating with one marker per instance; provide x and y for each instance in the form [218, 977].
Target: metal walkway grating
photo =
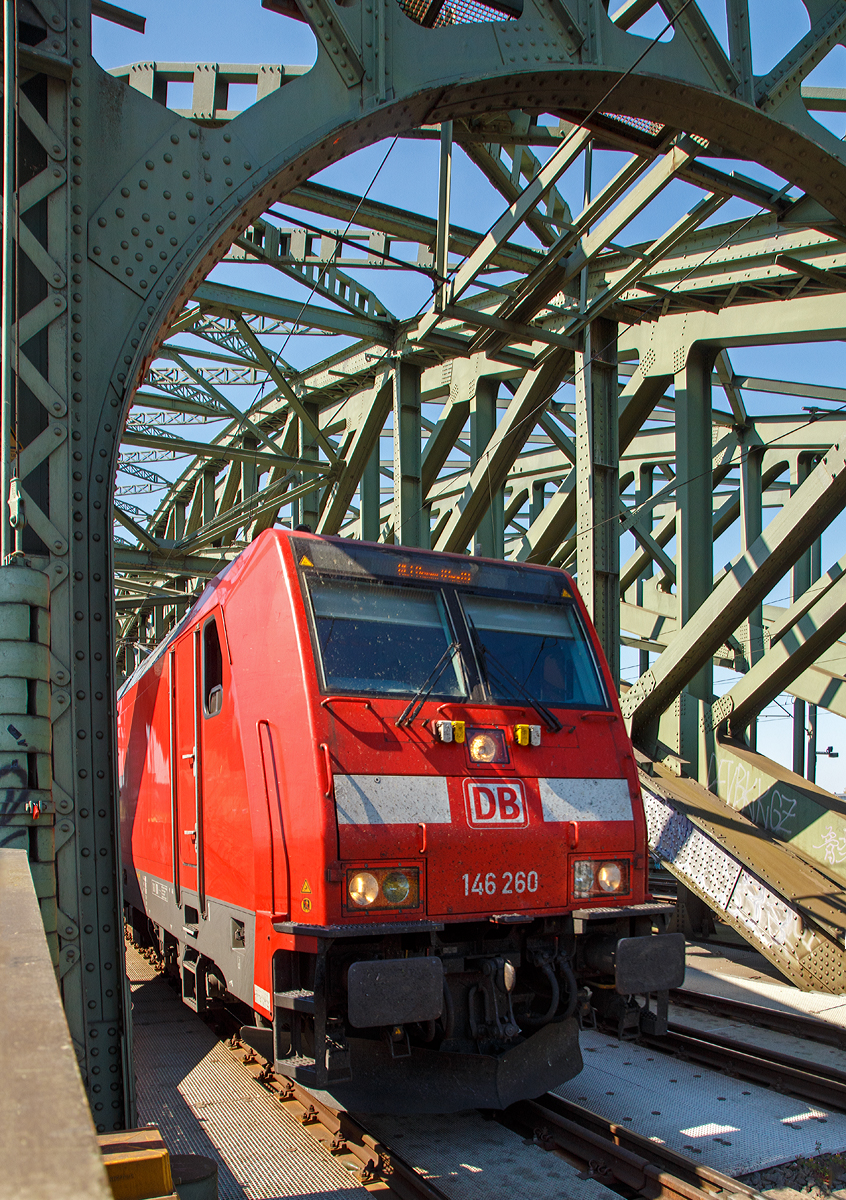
[205, 1102]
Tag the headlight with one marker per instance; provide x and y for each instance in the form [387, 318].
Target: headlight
[486, 746]
[363, 889]
[395, 887]
[597, 878]
[609, 877]
[482, 748]
[383, 888]
[583, 878]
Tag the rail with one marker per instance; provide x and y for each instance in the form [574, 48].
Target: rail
[798, 1024]
[615, 1156]
[375, 1166]
[619, 1157]
[48, 1146]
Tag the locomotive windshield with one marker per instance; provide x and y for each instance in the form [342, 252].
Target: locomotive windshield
[534, 648]
[377, 638]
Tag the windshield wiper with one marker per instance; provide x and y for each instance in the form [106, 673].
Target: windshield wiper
[419, 698]
[549, 719]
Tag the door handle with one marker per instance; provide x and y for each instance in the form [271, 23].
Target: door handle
[191, 833]
[327, 762]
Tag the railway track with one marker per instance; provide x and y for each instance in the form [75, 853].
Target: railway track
[370, 1162]
[799, 1024]
[611, 1154]
[819, 1083]
[614, 1156]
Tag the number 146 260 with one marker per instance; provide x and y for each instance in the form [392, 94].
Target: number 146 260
[509, 883]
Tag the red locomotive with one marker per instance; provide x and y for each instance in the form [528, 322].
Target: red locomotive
[385, 798]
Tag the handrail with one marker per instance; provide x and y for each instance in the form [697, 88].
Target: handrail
[53, 1155]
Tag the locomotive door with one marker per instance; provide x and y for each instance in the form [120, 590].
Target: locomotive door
[185, 695]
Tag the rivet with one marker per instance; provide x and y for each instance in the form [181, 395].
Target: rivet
[174, 139]
[119, 212]
[149, 165]
[168, 158]
[142, 183]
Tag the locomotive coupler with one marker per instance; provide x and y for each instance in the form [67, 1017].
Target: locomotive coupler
[497, 979]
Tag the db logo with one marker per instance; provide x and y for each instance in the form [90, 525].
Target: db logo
[491, 804]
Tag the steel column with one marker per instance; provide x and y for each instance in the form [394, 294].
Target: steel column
[409, 515]
[598, 485]
[751, 524]
[694, 527]
[488, 540]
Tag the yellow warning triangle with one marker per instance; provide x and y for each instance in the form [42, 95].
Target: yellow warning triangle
[564, 592]
[306, 562]
[305, 887]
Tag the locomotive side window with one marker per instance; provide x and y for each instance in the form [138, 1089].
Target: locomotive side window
[541, 647]
[377, 638]
[212, 670]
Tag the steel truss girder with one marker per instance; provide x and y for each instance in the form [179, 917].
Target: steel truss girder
[88, 340]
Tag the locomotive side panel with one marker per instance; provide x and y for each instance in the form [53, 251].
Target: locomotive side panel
[284, 763]
[145, 790]
[228, 836]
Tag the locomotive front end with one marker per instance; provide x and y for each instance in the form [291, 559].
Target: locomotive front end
[483, 887]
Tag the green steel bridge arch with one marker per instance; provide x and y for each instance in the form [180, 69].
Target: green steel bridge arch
[116, 211]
